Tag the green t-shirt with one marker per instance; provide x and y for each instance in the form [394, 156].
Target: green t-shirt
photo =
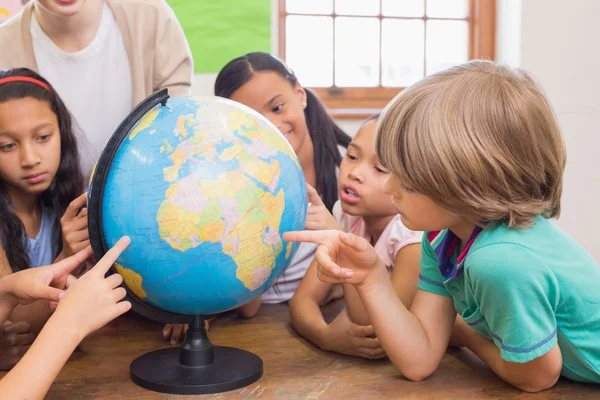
[524, 289]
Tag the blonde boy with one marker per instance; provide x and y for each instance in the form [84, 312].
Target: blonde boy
[477, 159]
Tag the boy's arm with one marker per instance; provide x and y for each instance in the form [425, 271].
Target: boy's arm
[533, 376]
[414, 340]
[517, 295]
[405, 277]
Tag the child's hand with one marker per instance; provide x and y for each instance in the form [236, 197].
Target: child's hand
[341, 257]
[175, 333]
[74, 227]
[93, 300]
[42, 283]
[345, 337]
[15, 339]
[318, 216]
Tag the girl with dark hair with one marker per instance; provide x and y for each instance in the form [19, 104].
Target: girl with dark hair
[365, 210]
[265, 84]
[42, 210]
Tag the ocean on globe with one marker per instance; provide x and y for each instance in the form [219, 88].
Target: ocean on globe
[205, 187]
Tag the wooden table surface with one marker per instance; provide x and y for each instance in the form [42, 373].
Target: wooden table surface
[293, 368]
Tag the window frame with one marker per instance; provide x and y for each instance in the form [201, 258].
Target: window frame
[361, 102]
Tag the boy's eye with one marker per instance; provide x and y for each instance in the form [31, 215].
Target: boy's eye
[406, 188]
[277, 108]
[382, 170]
[44, 138]
[7, 147]
[351, 157]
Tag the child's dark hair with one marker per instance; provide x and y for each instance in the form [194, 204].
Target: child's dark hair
[325, 134]
[67, 184]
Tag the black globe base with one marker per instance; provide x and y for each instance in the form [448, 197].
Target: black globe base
[196, 367]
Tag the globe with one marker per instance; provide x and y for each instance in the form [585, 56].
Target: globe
[205, 187]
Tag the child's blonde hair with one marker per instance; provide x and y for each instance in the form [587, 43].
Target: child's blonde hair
[480, 140]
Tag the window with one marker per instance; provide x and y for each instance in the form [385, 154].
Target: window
[358, 54]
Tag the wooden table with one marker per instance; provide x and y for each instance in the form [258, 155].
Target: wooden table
[293, 368]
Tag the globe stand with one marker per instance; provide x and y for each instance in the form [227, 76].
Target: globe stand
[197, 367]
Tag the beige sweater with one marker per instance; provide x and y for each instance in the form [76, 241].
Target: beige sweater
[159, 55]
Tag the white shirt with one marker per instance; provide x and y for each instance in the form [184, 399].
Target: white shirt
[94, 83]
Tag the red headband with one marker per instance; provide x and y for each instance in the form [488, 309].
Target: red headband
[24, 79]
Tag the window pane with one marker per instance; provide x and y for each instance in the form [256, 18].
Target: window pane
[447, 44]
[402, 54]
[404, 8]
[313, 64]
[309, 6]
[356, 52]
[357, 7]
[447, 8]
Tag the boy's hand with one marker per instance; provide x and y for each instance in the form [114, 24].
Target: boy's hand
[74, 227]
[318, 216]
[341, 257]
[93, 300]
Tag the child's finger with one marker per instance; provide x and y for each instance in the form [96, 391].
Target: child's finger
[362, 330]
[329, 267]
[370, 343]
[319, 237]
[331, 280]
[26, 339]
[78, 224]
[111, 256]
[17, 327]
[74, 206]
[167, 331]
[119, 294]
[119, 309]
[70, 280]
[77, 236]
[114, 281]
[47, 293]
[372, 354]
[353, 241]
[177, 334]
[312, 225]
[64, 267]
[82, 245]
[313, 196]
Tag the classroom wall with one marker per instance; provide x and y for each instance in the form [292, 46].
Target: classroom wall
[557, 42]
